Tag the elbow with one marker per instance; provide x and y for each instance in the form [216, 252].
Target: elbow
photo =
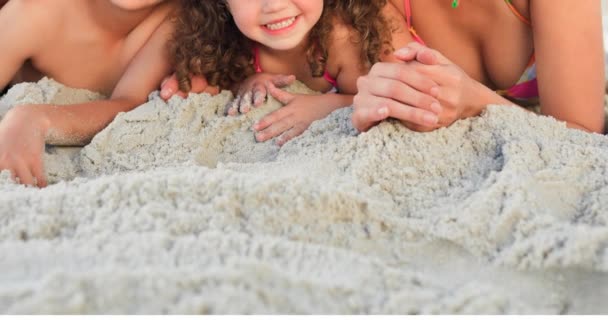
[597, 126]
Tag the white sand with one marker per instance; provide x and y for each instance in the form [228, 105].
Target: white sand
[175, 209]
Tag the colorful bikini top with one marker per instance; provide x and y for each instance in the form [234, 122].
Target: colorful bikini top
[258, 69]
[525, 91]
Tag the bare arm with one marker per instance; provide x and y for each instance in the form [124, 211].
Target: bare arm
[77, 124]
[22, 26]
[570, 61]
[25, 129]
[570, 64]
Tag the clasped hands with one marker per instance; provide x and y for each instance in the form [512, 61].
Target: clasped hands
[425, 91]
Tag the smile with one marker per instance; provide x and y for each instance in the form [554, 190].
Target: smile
[280, 25]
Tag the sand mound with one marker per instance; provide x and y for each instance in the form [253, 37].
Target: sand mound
[175, 209]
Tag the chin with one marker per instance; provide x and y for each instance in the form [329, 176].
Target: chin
[133, 5]
[284, 45]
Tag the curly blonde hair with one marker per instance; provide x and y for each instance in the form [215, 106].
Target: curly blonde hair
[207, 41]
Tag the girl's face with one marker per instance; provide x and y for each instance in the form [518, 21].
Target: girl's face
[135, 4]
[277, 24]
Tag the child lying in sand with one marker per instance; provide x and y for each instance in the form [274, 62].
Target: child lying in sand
[106, 46]
[325, 44]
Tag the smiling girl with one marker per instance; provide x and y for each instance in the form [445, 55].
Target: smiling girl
[326, 45]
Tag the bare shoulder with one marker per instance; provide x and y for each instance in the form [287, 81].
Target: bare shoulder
[344, 40]
[345, 47]
[39, 17]
[345, 56]
[159, 21]
[37, 12]
[27, 23]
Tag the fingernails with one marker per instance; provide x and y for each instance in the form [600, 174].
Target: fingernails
[258, 98]
[436, 107]
[434, 91]
[165, 93]
[256, 126]
[402, 52]
[383, 111]
[430, 119]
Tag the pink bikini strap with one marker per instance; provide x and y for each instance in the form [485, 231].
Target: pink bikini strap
[256, 60]
[410, 26]
[330, 79]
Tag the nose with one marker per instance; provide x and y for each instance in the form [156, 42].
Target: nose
[272, 6]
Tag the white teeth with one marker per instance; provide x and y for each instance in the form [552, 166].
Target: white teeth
[282, 24]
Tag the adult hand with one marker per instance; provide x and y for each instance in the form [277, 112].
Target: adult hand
[22, 140]
[170, 87]
[252, 92]
[396, 90]
[295, 117]
[425, 92]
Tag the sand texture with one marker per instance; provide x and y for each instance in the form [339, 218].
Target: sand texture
[174, 208]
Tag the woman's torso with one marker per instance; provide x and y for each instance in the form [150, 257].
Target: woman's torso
[483, 37]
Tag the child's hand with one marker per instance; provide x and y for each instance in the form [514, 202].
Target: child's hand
[170, 87]
[295, 117]
[22, 140]
[252, 92]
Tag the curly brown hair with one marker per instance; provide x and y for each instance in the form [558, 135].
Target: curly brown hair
[207, 41]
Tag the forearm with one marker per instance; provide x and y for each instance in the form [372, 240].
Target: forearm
[488, 97]
[338, 100]
[72, 124]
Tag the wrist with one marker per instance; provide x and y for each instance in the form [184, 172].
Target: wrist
[482, 97]
[31, 115]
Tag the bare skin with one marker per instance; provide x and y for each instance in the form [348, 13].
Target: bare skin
[480, 47]
[282, 64]
[106, 46]
[298, 113]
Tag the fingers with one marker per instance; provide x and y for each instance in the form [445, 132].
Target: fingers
[198, 84]
[399, 91]
[270, 119]
[406, 73]
[282, 96]
[380, 108]
[246, 102]
[281, 81]
[365, 116]
[259, 94]
[23, 173]
[169, 87]
[290, 134]
[406, 54]
[233, 109]
[27, 175]
[361, 121]
[425, 55]
[37, 170]
[275, 129]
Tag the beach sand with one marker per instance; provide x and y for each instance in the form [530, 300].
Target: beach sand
[174, 208]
